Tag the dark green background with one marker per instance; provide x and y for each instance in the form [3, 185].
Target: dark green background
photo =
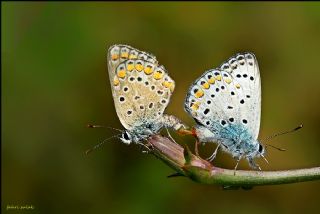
[54, 81]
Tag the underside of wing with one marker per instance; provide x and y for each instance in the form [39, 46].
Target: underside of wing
[141, 88]
[212, 99]
[245, 70]
[220, 97]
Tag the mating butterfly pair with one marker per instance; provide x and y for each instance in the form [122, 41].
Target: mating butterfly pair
[225, 101]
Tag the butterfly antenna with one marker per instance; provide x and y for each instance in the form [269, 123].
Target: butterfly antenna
[280, 149]
[100, 126]
[278, 134]
[282, 133]
[100, 144]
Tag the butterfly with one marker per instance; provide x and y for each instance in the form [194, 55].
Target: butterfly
[226, 105]
[141, 90]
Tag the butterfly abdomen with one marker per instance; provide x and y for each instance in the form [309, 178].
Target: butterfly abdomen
[173, 122]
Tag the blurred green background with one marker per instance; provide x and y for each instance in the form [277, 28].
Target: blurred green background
[54, 81]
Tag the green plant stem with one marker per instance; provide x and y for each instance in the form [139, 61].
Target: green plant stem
[199, 170]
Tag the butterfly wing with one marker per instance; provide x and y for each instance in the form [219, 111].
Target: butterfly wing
[219, 97]
[244, 68]
[140, 87]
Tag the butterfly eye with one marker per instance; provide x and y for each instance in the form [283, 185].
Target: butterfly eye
[260, 148]
[125, 135]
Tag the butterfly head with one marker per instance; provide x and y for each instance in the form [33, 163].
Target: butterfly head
[256, 150]
[126, 137]
[140, 132]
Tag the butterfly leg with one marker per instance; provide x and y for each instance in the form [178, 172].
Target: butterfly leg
[170, 135]
[196, 145]
[235, 168]
[214, 154]
[144, 146]
[253, 164]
